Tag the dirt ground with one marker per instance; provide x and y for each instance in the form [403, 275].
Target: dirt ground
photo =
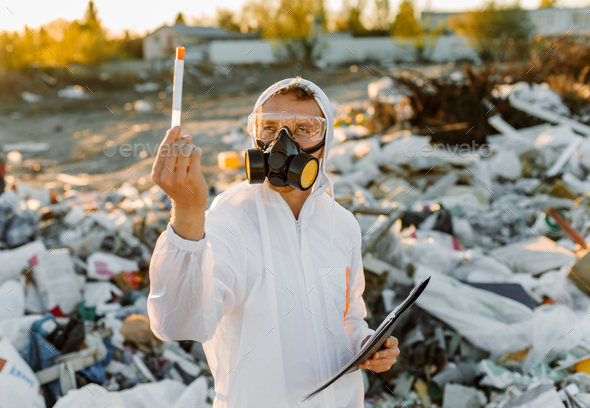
[80, 132]
[77, 134]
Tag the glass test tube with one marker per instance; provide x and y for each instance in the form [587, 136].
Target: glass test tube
[177, 87]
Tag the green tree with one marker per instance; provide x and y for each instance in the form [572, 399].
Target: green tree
[62, 42]
[65, 41]
[350, 17]
[405, 24]
[179, 19]
[225, 19]
[92, 36]
[130, 46]
[382, 15]
[497, 31]
[255, 17]
[294, 24]
[90, 15]
[406, 28]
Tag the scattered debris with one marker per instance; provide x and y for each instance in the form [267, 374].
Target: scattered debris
[26, 147]
[74, 92]
[501, 225]
[142, 106]
[499, 220]
[147, 87]
[31, 97]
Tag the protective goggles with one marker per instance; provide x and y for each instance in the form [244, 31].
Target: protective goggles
[304, 128]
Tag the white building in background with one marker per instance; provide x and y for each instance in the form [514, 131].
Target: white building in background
[556, 21]
[162, 42]
[547, 21]
[217, 46]
[343, 48]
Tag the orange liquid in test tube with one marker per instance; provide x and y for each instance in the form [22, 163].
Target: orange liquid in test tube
[177, 87]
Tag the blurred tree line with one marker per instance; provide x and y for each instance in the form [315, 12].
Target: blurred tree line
[299, 24]
[360, 17]
[498, 32]
[62, 42]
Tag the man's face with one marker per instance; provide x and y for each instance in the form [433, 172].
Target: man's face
[288, 103]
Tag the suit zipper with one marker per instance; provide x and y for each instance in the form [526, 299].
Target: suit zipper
[298, 227]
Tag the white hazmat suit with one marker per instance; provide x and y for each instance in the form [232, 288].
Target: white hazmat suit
[277, 302]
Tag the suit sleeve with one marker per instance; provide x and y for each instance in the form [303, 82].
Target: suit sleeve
[193, 285]
[355, 324]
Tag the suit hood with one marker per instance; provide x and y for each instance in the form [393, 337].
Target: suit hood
[322, 100]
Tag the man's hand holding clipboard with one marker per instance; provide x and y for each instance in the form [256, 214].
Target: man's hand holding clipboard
[384, 358]
[372, 345]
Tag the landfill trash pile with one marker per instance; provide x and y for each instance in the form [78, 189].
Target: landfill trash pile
[499, 219]
[493, 202]
[73, 310]
[563, 64]
[449, 107]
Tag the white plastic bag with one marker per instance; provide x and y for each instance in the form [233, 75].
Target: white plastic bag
[57, 281]
[534, 255]
[103, 266]
[12, 300]
[16, 330]
[477, 264]
[91, 396]
[489, 321]
[15, 260]
[505, 164]
[97, 293]
[19, 387]
[165, 393]
[501, 325]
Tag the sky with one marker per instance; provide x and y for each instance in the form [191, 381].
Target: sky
[140, 16]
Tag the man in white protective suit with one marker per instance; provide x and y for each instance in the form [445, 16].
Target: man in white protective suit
[270, 277]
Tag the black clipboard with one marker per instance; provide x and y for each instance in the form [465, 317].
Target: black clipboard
[378, 338]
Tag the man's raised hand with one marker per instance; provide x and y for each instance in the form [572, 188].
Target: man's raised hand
[177, 170]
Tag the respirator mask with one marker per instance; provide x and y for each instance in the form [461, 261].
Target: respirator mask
[279, 156]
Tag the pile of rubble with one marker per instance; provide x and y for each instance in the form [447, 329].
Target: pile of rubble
[499, 220]
[74, 318]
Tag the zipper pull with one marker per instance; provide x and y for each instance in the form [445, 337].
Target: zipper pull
[298, 225]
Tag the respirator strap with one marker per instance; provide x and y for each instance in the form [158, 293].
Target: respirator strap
[315, 148]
